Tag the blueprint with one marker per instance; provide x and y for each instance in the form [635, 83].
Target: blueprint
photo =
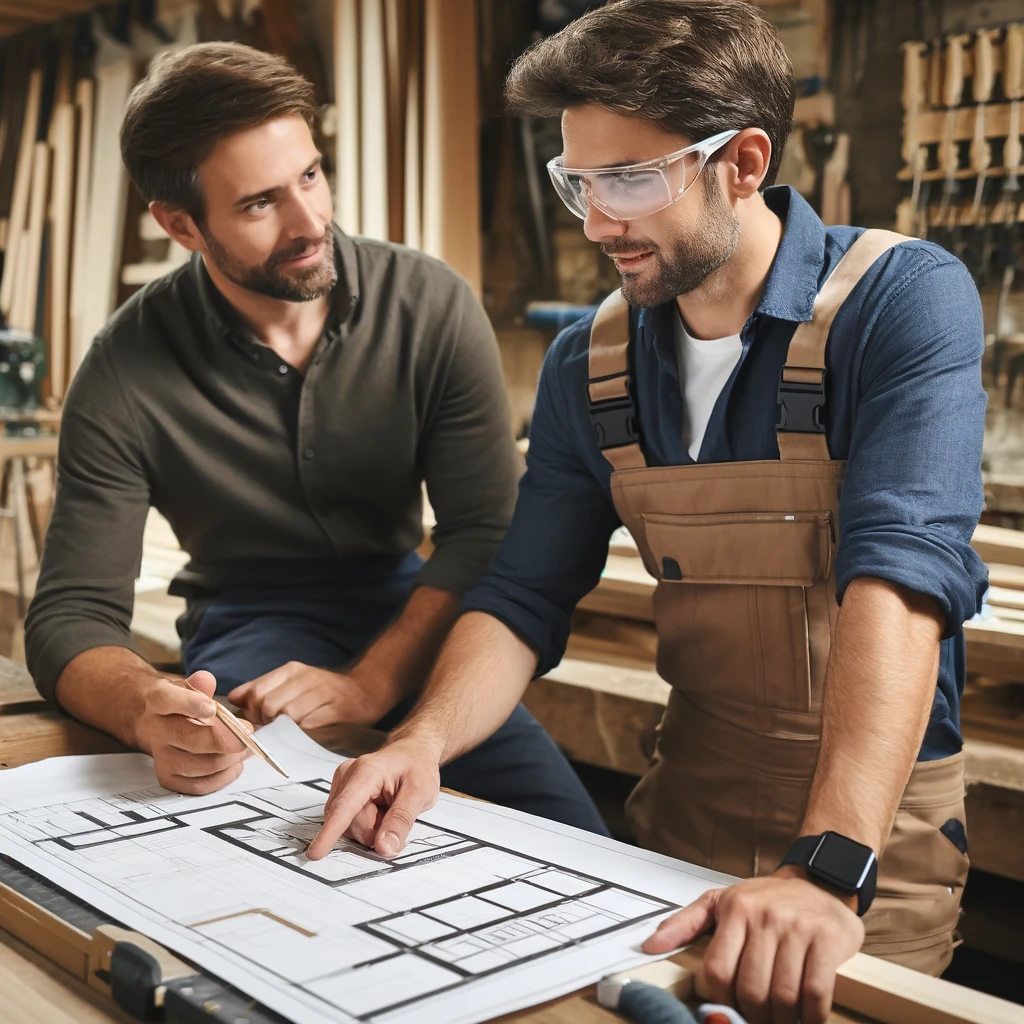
[486, 910]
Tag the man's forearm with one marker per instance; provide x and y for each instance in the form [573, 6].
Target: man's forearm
[105, 687]
[479, 678]
[400, 658]
[878, 694]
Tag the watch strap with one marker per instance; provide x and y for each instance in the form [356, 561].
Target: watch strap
[801, 852]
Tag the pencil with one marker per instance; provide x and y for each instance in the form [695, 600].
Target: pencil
[245, 737]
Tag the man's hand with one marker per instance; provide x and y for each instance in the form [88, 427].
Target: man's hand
[777, 946]
[192, 752]
[375, 799]
[311, 697]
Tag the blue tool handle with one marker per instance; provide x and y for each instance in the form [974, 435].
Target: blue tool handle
[648, 1004]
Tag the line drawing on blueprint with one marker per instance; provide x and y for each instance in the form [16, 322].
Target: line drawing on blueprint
[371, 936]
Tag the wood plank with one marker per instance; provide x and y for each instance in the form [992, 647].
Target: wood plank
[36, 992]
[62, 141]
[17, 223]
[115, 75]
[346, 99]
[896, 995]
[996, 544]
[23, 305]
[1002, 575]
[995, 823]
[413, 148]
[890, 994]
[396, 46]
[451, 144]
[78, 342]
[373, 121]
[600, 714]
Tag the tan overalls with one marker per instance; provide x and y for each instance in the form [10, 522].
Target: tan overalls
[745, 608]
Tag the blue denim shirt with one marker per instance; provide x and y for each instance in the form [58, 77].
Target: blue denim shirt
[904, 405]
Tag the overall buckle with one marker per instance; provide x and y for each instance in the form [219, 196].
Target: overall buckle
[801, 404]
[614, 423]
[614, 419]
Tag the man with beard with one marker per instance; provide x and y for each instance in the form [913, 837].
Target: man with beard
[788, 418]
[281, 399]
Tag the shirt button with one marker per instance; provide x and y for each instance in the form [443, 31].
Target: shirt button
[308, 453]
[256, 357]
[282, 369]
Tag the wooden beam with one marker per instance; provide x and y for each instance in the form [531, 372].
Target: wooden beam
[22, 184]
[62, 141]
[346, 99]
[451, 144]
[115, 75]
[78, 343]
[995, 544]
[373, 121]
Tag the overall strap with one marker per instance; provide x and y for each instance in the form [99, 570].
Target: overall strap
[801, 427]
[610, 400]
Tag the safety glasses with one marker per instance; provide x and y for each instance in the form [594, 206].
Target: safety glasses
[634, 191]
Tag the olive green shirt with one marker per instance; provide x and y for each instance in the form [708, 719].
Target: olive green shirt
[177, 405]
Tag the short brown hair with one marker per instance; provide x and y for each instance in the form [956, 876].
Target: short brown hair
[191, 99]
[695, 67]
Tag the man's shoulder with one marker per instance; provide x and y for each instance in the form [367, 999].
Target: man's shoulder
[908, 257]
[400, 265]
[155, 302]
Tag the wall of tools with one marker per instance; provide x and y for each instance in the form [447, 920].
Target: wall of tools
[962, 148]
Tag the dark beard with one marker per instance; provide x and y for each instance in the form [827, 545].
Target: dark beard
[685, 265]
[311, 283]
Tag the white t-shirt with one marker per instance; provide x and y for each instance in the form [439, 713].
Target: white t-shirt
[704, 367]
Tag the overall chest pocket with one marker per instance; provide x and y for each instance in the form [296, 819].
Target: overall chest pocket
[741, 602]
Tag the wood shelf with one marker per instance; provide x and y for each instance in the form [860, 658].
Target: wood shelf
[18, 15]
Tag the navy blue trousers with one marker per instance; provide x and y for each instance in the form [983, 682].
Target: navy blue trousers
[325, 614]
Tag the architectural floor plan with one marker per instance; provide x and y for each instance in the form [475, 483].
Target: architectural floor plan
[438, 933]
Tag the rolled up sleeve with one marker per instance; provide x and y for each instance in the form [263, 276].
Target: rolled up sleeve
[557, 543]
[86, 590]
[913, 491]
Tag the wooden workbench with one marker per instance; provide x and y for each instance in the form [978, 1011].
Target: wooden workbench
[36, 991]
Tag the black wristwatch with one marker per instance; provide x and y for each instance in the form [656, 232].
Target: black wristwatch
[841, 863]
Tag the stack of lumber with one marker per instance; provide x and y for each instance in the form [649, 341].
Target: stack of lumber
[63, 187]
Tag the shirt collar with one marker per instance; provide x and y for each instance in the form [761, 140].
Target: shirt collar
[792, 284]
[221, 315]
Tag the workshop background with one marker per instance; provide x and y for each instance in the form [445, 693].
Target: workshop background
[909, 116]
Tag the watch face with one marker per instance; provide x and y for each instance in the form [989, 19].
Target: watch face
[841, 862]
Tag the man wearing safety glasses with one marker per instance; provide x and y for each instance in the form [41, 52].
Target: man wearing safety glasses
[788, 418]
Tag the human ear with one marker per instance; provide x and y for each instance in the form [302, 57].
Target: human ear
[750, 153]
[178, 224]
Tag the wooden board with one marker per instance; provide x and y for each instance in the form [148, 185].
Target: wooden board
[78, 343]
[346, 93]
[62, 141]
[23, 304]
[451, 144]
[373, 121]
[115, 75]
[413, 144]
[996, 544]
[19, 200]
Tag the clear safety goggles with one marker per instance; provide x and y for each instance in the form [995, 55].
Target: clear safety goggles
[634, 191]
